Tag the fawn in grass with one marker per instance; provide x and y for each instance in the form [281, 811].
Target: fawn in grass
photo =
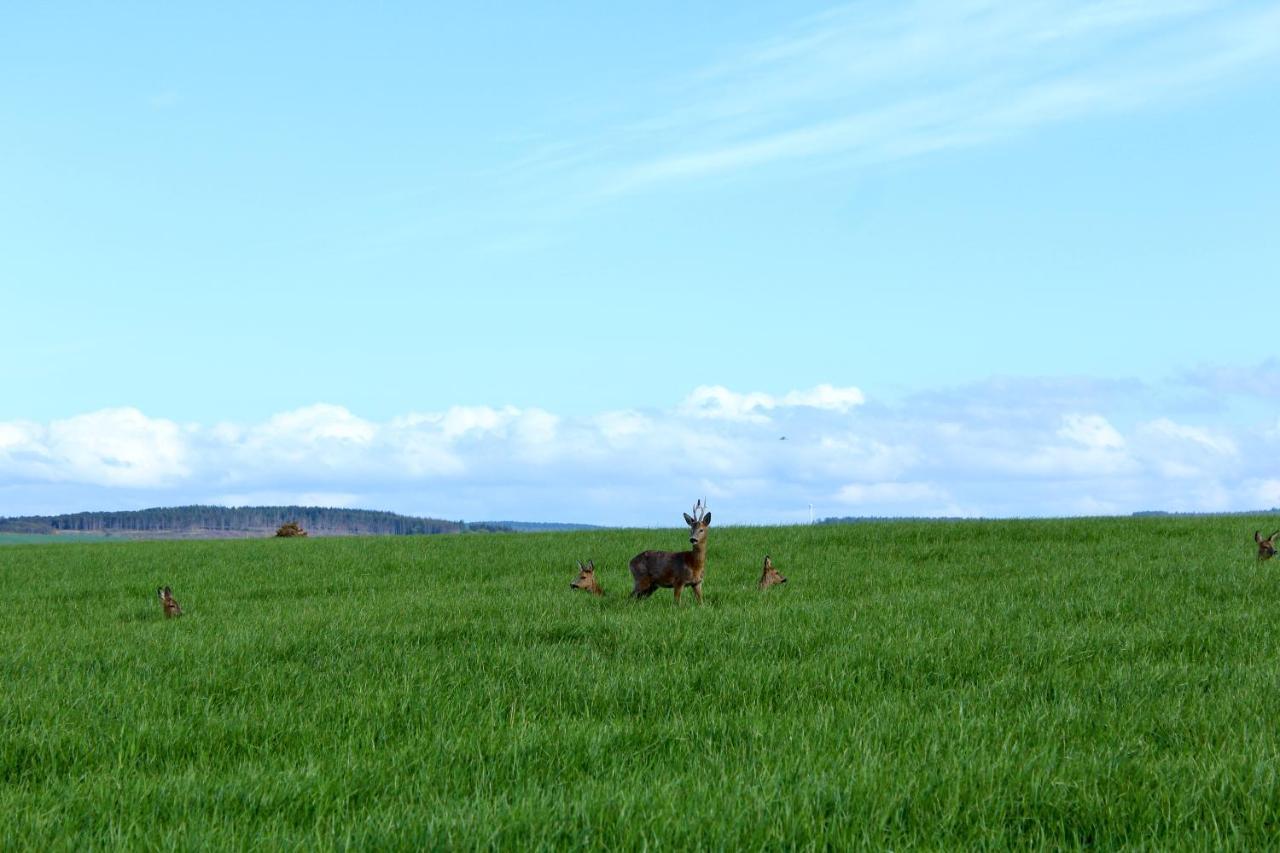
[1266, 547]
[674, 569]
[168, 602]
[586, 578]
[770, 576]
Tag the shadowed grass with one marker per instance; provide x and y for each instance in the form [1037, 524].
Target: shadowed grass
[1025, 683]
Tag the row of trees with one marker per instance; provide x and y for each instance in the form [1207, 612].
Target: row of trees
[219, 518]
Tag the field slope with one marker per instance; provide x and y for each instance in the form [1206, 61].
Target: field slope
[1031, 683]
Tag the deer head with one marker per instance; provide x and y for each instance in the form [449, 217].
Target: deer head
[770, 577]
[698, 524]
[586, 578]
[1266, 547]
[168, 602]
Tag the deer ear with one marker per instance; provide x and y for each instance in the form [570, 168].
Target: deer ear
[591, 565]
[1257, 536]
[689, 521]
[706, 519]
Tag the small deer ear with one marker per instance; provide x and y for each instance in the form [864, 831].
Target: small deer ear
[591, 565]
[706, 519]
[689, 521]
[1257, 536]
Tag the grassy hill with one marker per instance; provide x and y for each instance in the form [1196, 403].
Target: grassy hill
[1061, 683]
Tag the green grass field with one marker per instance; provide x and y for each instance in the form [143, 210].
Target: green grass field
[1076, 683]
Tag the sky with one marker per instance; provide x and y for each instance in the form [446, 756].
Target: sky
[591, 262]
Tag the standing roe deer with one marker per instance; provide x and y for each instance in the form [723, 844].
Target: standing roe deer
[770, 577]
[1266, 547]
[168, 602]
[674, 569]
[586, 578]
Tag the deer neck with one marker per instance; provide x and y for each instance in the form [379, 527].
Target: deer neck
[698, 555]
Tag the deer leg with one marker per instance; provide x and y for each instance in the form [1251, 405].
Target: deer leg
[697, 592]
[678, 587]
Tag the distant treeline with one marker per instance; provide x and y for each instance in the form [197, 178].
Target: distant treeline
[227, 520]
[542, 526]
[1157, 513]
[1152, 513]
[860, 519]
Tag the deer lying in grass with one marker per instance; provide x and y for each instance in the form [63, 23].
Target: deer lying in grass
[1266, 547]
[168, 602]
[770, 577]
[586, 578]
[674, 569]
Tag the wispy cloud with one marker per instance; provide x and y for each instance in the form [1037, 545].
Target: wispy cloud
[868, 83]
[1000, 448]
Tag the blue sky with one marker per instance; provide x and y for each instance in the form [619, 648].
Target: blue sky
[590, 262]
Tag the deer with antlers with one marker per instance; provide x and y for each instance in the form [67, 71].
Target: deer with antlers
[1266, 547]
[586, 578]
[675, 569]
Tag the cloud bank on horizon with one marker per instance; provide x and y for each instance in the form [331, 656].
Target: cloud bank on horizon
[1014, 447]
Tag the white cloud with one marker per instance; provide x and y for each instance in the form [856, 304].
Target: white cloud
[716, 401]
[111, 447]
[460, 421]
[825, 397]
[20, 437]
[890, 493]
[1092, 431]
[622, 428]
[1202, 437]
[313, 425]
[997, 449]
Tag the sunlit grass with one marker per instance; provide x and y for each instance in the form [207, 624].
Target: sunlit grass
[1058, 683]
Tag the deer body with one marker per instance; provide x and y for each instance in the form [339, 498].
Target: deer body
[674, 570]
[1266, 547]
[168, 602]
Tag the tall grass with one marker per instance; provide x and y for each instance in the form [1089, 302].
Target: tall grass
[1097, 682]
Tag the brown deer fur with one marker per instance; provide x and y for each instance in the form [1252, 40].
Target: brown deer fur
[770, 577]
[674, 569]
[1266, 547]
[168, 602]
[586, 579]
